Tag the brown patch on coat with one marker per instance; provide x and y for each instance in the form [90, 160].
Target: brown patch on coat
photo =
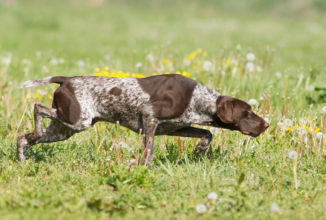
[169, 94]
[115, 91]
[64, 99]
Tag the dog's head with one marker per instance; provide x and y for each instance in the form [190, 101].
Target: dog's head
[236, 114]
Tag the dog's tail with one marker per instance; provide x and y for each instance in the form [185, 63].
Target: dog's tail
[47, 80]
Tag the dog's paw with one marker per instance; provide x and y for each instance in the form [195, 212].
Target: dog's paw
[200, 148]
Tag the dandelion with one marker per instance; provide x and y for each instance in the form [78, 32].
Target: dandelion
[275, 208]
[250, 57]
[253, 102]
[38, 54]
[250, 67]
[212, 196]
[301, 131]
[6, 61]
[278, 75]
[187, 63]
[45, 69]
[214, 131]
[293, 155]
[122, 145]
[150, 57]
[259, 69]
[139, 65]
[207, 65]
[54, 62]
[107, 57]
[319, 135]
[80, 63]
[201, 208]
[323, 109]
[310, 88]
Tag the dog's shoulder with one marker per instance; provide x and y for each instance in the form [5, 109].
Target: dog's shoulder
[169, 94]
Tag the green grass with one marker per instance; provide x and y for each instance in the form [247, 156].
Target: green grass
[86, 177]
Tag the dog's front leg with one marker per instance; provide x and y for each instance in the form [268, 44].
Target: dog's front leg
[205, 135]
[149, 125]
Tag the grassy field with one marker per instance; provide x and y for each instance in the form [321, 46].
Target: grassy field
[272, 52]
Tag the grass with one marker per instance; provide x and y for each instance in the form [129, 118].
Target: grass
[93, 176]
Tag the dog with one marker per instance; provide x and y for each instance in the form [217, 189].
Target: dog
[156, 105]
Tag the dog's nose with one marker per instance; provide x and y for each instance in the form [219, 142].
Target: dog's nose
[266, 125]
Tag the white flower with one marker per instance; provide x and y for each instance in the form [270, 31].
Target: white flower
[319, 135]
[250, 57]
[80, 63]
[293, 155]
[275, 208]
[212, 196]
[259, 69]
[187, 62]
[214, 131]
[250, 67]
[278, 75]
[201, 208]
[122, 145]
[150, 57]
[252, 102]
[301, 131]
[323, 109]
[38, 54]
[288, 122]
[139, 65]
[238, 47]
[54, 61]
[207, 65]
[6, 61]
[41, 92]
[310, 88]
[107, 57]
[45, 69]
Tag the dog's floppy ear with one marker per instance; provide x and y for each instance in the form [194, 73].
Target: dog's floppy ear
[224, 109]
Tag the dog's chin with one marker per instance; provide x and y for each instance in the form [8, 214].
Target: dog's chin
[246, 132]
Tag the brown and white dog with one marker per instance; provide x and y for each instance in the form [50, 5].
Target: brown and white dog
[156, 105]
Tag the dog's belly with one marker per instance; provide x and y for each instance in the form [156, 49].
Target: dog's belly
[169, 127]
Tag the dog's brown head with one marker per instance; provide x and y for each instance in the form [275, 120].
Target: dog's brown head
[236, 114]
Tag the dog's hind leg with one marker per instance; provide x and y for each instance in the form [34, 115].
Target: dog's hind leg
[56, 131]
[150, 125]
[205, 135]
[56, 128]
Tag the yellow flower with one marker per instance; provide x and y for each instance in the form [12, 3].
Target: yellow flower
[97, 69]
[37, 96]
[106, 68]
[29, 96]
[137, 75]
[229, 62]
[288, 129]
[205, 54]
[192, 56]
[166, 62]
[186, 74]
[317, 130]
